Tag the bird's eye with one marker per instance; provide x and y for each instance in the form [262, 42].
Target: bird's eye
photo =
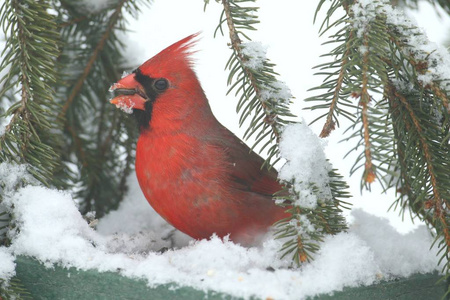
[161, 84]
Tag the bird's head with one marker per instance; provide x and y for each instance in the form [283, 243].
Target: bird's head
[165, 85]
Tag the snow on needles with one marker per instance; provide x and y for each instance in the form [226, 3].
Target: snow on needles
[52, 230]
[255, 59]
[255, 53]
[306, 161]
[415, 39]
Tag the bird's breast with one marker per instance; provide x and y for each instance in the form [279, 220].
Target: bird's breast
[183, 179]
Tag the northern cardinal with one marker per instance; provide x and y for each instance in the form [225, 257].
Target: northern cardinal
[193, 171]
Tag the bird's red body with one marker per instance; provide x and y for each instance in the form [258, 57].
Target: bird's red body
[193, 171]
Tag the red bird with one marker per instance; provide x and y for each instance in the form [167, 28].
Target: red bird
[193, 171]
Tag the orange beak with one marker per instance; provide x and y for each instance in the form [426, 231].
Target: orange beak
[129, 94]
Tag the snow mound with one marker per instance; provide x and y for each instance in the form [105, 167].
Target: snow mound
[52, 230]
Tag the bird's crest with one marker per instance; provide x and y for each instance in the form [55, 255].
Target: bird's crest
[177, 55]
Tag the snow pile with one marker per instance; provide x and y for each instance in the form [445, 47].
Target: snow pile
[142, 229]
[52, 231]
[48, 219]
[10, 177]
[13, 175]
[312, 166]
[394, 252]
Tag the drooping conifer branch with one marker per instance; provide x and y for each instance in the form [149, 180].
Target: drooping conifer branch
[236, 44]
[439, 204]
[403, 94]
[30, 59]
[100, 140]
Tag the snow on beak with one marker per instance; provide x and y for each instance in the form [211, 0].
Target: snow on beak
[128, 94]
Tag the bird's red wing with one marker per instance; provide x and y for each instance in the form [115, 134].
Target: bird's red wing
[249, 176]
[246, 170]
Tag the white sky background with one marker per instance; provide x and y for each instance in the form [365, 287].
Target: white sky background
[293, 44]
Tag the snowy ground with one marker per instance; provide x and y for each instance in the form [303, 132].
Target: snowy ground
[130, 238]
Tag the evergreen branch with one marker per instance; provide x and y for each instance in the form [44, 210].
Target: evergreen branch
[30, 55]
[405, 186]
[96, 141]
[428, 197]
[421, 67]
[439, 203]
[369, 174]
[307, 225]
[100, 45]
[384, 52]
[262, 96]
[14, 290]
[236, 44]
[439, 92]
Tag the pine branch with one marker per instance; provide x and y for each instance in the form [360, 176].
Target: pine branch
[30, 55]
[307, 226]
[437, 197]
[403, 109]
[236, 44]
[94, 128]
[14, 290]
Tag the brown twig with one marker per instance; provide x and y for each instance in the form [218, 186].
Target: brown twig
[369, 174]
[441, 94]
[302, 256]
[78, 145]
[330, 123]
